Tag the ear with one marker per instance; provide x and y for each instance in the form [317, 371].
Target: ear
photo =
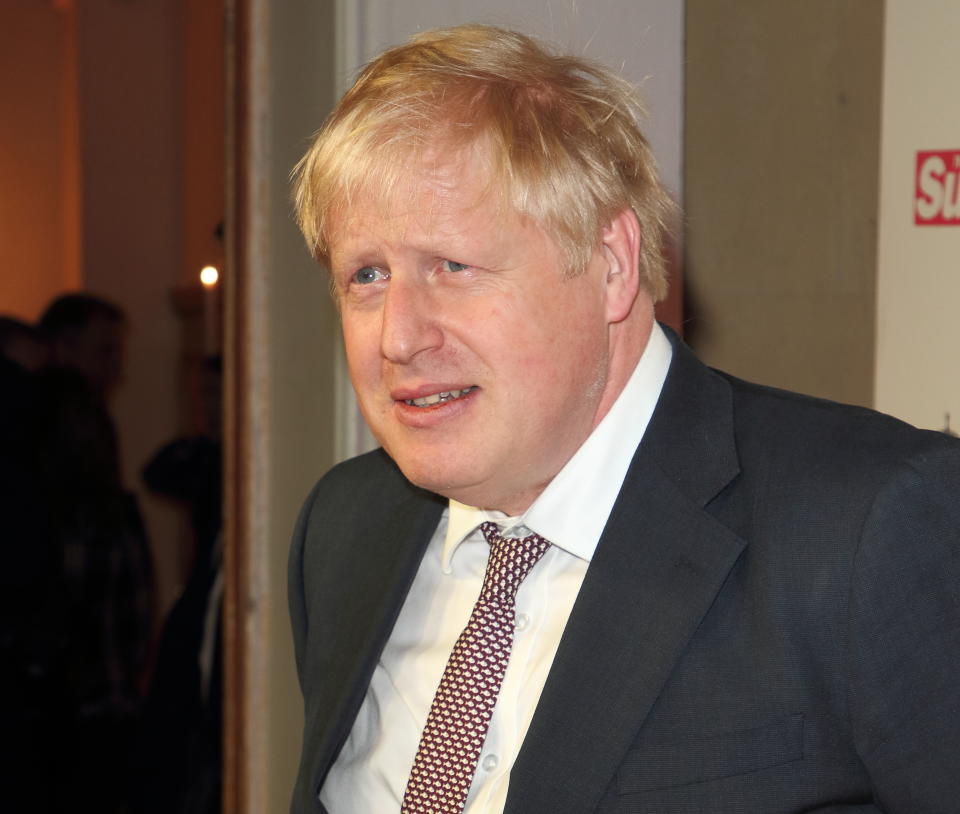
[621, 250]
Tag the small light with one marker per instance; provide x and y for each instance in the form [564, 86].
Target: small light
[209, 276]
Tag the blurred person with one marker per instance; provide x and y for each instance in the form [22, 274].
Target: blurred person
[585, 572]
[86, 333]
[22, 352]
[177, 757]
[104, 570]
[29, 608]
[22, 343]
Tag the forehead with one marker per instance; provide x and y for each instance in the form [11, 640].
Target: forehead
[432, 193]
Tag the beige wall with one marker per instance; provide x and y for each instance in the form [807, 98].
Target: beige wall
[303, 325]
[782, 147]
[285, 360]
[918, 302]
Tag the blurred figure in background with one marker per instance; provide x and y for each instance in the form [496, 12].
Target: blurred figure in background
[176, 763]
[28, 586]
[21, 344]
[86, 334]
[103, 570]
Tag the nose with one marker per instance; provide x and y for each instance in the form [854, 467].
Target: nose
[408, 325]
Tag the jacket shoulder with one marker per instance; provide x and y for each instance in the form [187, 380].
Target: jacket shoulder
[356, 495]
[371, 476]
[769, 420]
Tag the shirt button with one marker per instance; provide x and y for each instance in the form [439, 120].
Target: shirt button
[490, 763]
[521, 622]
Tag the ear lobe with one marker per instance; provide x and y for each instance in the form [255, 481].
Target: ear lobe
[621, 249]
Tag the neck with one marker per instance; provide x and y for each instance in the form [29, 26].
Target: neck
[628, 341]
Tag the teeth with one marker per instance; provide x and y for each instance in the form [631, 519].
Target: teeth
[436, 398]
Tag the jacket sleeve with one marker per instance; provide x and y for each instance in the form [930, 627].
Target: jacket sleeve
[904, 629]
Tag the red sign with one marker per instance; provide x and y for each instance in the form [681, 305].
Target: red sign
[937, 195]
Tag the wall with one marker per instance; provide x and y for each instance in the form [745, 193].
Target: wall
[202, 136]
[303, 324]
[782, 148]
[130, 119]
[918, 297]
[40, 210]
[282, 335]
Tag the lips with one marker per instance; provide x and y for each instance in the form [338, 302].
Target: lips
[440, 397]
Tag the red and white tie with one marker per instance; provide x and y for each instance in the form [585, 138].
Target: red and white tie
[457, 724]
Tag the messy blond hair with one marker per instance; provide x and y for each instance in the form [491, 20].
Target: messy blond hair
[560, 135]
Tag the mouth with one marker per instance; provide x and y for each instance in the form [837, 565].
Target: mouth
[440, 398]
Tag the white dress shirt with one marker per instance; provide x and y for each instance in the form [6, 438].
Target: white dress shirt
[370, 774]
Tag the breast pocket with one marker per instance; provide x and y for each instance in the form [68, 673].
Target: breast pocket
[709, 757]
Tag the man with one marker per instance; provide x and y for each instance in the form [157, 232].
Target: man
[740, 599]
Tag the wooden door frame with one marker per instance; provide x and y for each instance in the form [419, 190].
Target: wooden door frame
[242, 774]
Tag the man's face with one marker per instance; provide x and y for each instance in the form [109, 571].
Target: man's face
[479, 367]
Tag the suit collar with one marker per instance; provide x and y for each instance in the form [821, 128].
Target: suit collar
[658, 566]
[392, 541]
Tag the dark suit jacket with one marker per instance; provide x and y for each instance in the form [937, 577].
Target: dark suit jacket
[771, 621]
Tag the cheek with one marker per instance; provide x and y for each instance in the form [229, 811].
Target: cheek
[569, 334]
[547, 335]
[564, 365]
[579, 359]
[361, 341]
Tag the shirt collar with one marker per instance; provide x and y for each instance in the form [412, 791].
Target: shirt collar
[572, 511]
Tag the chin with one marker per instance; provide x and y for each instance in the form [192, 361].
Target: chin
[432, 481]
[442, 481]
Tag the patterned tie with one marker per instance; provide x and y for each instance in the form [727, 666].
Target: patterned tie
[460, 714]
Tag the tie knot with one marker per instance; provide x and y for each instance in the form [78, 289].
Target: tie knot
[511, 559]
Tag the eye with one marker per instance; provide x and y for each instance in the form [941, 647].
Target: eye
[367, 275]
[453, 265]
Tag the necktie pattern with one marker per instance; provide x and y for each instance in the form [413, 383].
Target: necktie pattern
[457, 724]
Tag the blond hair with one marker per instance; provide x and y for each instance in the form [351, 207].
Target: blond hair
[560, 134]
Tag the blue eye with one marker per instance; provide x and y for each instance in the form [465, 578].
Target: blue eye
[453, 265]
[368, 274]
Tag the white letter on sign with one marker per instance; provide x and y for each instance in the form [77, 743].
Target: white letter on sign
[930, 174]
[951, 201]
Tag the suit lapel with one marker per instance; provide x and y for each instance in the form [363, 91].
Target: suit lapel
[658, 566]
[382, 554]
